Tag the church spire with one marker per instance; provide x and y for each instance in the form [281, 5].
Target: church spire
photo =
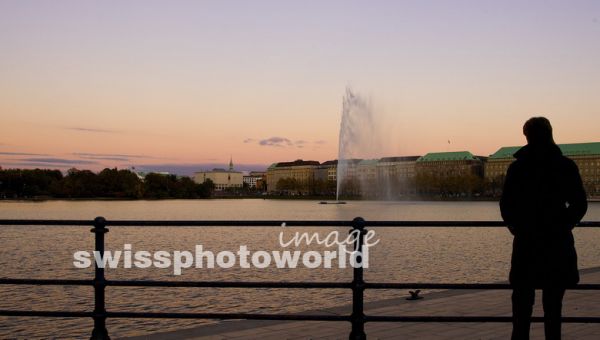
[230, 163]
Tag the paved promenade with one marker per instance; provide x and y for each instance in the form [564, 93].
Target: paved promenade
[449, 302]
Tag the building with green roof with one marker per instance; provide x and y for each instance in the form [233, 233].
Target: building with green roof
[447, 156]
[450, 164]
[585, 155]
[569, 150]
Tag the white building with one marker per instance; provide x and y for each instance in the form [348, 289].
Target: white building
[223, 179]
[252, 178]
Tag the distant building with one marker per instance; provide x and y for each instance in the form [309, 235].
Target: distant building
[366, 170]
[223, 179]
[585, 155]
[397, 167]
[449, 174]
[327, 171]
[347, 177]
[450, 164]
[299, 172]
[348, 168]
[252, 180]
[396, 176]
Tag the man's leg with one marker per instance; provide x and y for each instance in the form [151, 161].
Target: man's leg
[552, 301]
[522, 307]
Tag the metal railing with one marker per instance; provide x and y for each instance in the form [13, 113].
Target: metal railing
[358, 286]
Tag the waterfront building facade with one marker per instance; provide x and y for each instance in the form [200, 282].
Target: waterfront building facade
[366, 174]
[222, 179]
[253, 179]
[585, 155]
[291, 177]
[348, 171]
[396, 175]
[449, 174]
[449, 164]
[327, 171]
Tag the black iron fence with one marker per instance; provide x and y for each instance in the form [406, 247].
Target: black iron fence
[358, 286]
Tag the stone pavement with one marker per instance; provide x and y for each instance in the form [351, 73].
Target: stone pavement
[449, 302]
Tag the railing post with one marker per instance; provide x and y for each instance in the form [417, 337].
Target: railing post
[100, 332]
[358, 284]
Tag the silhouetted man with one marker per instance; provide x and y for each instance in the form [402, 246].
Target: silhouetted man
[543, 199]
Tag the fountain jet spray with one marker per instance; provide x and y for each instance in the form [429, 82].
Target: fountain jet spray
[359, 137]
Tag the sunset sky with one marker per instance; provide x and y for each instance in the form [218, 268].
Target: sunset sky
[187, 84]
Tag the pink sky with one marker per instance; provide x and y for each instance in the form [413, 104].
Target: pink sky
[94, 84]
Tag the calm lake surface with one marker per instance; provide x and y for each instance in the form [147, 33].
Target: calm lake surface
[403, 255]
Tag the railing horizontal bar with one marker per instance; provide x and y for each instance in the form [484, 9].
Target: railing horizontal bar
[46, 282]
[181, 223]
[297, 317]
[275, 284]
[267, 223]
[487, 286]
[221, 316]
[150, 283]
[229, 316]
[48, 222]
[384, 318]
[225, 223]
[230, 284]
[49, 314]
[455, 224]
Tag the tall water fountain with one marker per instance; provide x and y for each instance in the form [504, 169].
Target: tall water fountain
[359, 137]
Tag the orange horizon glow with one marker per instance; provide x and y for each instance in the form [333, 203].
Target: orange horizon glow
[94, 85]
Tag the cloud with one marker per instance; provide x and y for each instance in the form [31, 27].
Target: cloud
[283, 142]
[38, 165]
[116, 159]
[110, 157]
[56, 161]
[275, 141]
[21, 154]
[94, 130]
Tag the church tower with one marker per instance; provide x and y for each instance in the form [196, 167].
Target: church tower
[230, 169]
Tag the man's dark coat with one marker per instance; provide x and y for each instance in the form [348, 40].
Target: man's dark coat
[543, 199]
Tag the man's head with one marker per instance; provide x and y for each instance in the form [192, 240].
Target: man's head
[538, 131]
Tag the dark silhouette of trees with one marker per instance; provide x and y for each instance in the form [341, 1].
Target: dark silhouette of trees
[171, 186]
[119, 183]
[288, 184]
[449, 186]
[27, 183]
[79, 184]
[108, 183]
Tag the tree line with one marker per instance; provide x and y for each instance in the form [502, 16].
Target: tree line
[422, 185]
[108, 183]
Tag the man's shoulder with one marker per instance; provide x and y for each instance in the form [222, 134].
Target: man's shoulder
[515, 165]
[568, 164]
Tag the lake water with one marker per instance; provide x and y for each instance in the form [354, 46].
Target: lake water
[403, 255]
